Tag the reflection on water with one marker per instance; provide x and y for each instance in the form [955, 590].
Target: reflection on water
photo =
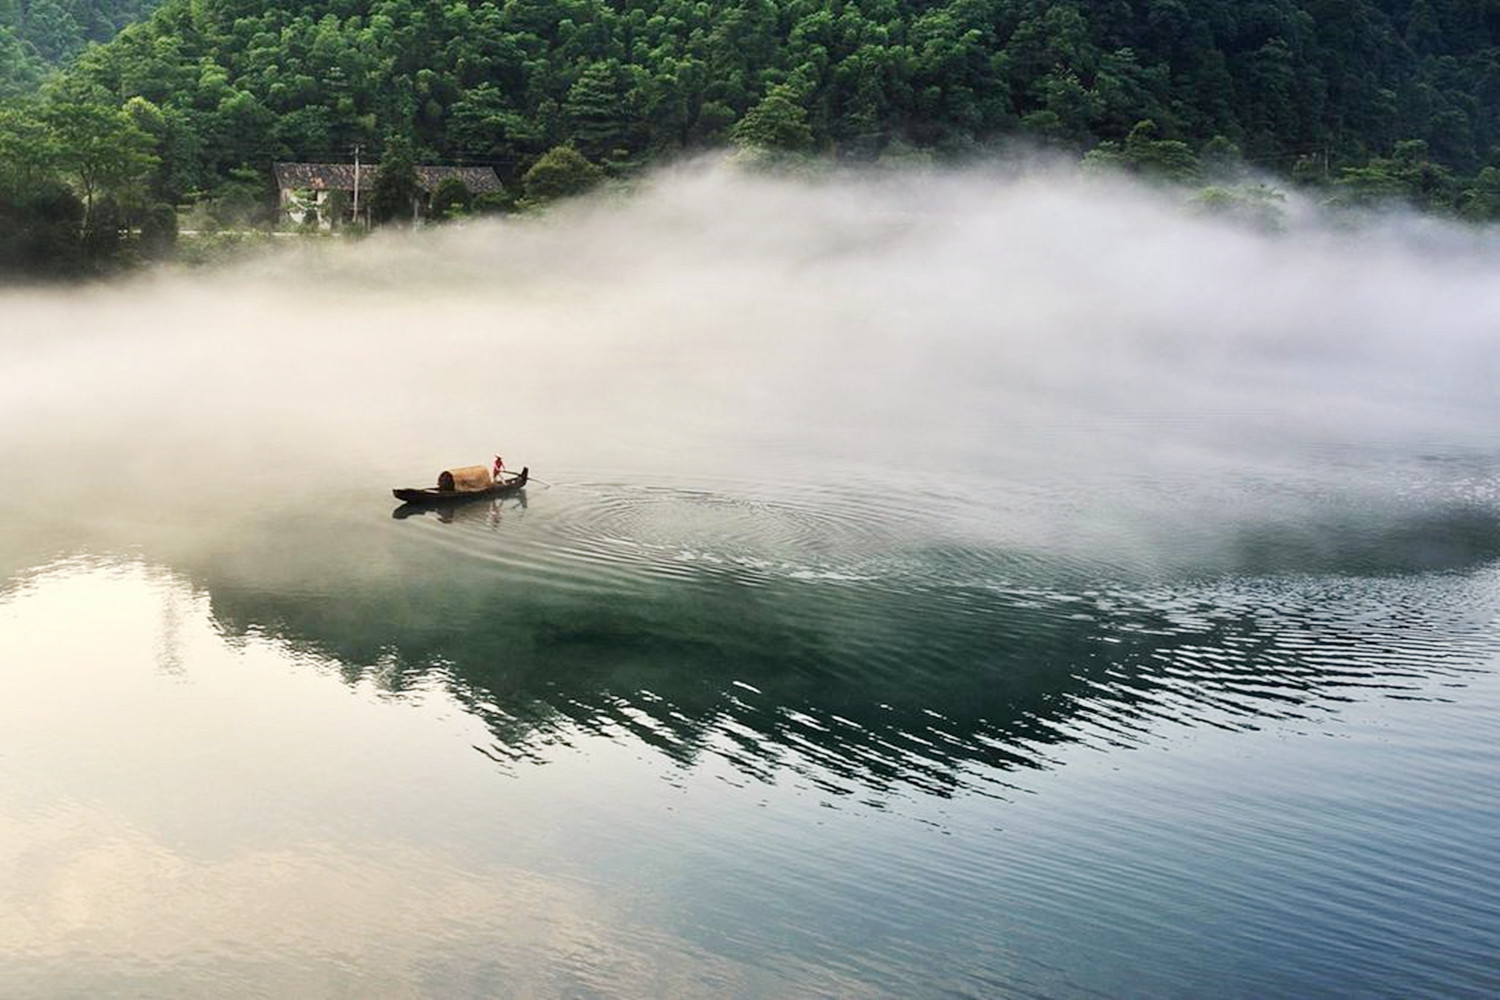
[242, 778]
[790, 640]
[654, 740]
[492, 511]
[184, 813]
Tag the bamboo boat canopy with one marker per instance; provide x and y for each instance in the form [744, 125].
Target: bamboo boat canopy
[465, 479]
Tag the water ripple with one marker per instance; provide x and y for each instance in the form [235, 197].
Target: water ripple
[839, 639]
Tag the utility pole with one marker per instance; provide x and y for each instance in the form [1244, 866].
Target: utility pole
[356, 182]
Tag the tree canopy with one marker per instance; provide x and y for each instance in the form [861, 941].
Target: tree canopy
[1372, 98]
[40, 33]
[1338, 81]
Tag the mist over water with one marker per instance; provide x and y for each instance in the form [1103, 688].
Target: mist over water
[1149, 373]
[881, 520]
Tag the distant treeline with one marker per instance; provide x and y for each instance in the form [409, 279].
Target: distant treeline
[1374, 99]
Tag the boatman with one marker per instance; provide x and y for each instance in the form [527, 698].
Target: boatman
[498, 472]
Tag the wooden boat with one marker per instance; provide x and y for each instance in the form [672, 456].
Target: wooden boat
[459, 485]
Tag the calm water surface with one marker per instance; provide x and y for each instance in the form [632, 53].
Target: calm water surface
[643, 740]
[1051, 680]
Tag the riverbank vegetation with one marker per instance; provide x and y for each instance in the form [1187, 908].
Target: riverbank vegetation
[104, 147]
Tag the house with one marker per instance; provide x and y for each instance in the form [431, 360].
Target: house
[342, 189]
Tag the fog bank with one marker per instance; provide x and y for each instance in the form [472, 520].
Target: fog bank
[1114, 358]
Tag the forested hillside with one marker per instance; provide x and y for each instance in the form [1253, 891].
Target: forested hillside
[1380, 98]
[38, 34]
[1336, 81]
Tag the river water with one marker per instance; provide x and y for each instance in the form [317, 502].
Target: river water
[939, 585]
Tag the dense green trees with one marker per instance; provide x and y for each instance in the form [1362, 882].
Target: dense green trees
[451, 198]
[1371, 99]
[394, 195]
[75, 165]
[50, 32]
[777, 122]
[561, 172]
[73, 174]
[100, 148]
[21, 68]
[41, 230]
[626, 81]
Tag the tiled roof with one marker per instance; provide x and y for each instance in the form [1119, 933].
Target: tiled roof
[479, 180]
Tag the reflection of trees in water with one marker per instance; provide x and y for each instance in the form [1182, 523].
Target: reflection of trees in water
[1448, 538]
[935, 674]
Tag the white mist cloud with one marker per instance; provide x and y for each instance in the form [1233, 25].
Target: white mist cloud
[1034, 333]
